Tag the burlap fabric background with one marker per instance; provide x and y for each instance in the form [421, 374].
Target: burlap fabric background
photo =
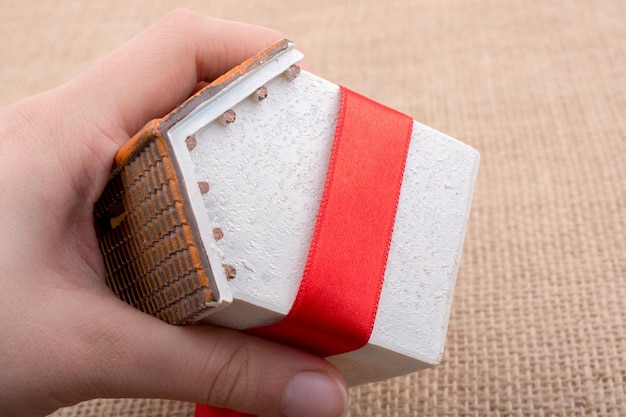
[538, 324]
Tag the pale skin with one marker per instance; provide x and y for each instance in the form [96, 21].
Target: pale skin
[64, 337]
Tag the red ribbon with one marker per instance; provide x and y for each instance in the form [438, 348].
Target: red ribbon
[335, 308]
[210, 411]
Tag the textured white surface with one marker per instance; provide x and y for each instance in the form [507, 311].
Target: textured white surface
[424, 257]
[197, 120]
[266, 173]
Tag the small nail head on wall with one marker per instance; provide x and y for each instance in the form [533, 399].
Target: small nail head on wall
[261, 93]
[230, 271]
[191, 142]
[293, 72]
[229, 116]
[218, 234]
[204, 187]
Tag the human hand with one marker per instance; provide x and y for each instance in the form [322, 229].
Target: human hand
[65, 337]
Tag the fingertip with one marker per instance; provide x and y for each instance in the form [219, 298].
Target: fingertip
[314, 394]
[218, 44]
[160, 67]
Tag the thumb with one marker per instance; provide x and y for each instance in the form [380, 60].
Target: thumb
[221, 367]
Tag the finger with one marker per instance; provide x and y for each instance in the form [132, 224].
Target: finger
[160, 67]
[210, 365]
[143, 79]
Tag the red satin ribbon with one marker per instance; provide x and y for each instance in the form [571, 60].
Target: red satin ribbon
[210, 411]
[336, 305]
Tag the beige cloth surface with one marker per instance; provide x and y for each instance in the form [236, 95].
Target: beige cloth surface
[538, 325]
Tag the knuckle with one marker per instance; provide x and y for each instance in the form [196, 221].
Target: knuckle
[182, 18]
[232, 385]
[180, 13]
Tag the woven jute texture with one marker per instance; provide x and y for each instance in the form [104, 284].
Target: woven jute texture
[538, 324]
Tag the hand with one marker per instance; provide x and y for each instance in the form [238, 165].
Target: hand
[65, 337]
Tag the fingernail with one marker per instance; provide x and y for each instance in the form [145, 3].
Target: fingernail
[314, 394]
